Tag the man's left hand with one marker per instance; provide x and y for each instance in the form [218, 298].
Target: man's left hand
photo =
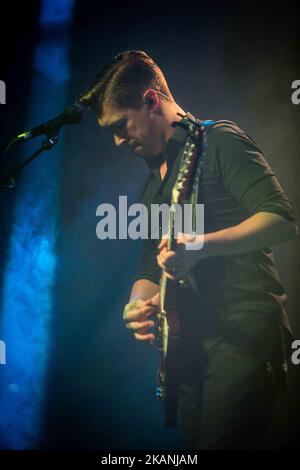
[189, 250]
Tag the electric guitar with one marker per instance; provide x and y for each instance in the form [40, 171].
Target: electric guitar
[167, 325]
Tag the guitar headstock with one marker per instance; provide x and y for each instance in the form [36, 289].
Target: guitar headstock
[193, 146]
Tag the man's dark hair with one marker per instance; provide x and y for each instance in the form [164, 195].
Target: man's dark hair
[121, 83]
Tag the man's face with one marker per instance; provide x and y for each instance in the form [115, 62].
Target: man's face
[141, 129]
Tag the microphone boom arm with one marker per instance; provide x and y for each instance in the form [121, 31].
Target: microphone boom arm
[47, 144]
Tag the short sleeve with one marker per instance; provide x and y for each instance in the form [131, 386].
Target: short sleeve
[247, 174]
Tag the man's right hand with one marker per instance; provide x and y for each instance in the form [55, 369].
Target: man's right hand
[136, 316]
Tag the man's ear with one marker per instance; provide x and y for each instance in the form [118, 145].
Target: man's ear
[151, 99]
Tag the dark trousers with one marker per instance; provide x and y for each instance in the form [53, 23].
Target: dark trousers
[229, 404]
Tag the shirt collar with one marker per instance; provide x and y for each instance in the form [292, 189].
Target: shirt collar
[173, 147]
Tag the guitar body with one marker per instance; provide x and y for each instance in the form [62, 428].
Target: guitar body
[170, 355]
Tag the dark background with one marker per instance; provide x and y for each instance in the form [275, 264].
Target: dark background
[222, 60]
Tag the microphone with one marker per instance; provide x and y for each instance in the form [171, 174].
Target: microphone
[71, 115]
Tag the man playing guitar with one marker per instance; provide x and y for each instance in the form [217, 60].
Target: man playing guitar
[234, 331]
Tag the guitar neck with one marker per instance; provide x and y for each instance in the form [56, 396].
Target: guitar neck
[185, 182]
[171, 246]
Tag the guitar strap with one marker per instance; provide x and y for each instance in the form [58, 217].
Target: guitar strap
[205, 126]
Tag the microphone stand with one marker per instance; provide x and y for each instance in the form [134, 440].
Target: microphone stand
[47, 144]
